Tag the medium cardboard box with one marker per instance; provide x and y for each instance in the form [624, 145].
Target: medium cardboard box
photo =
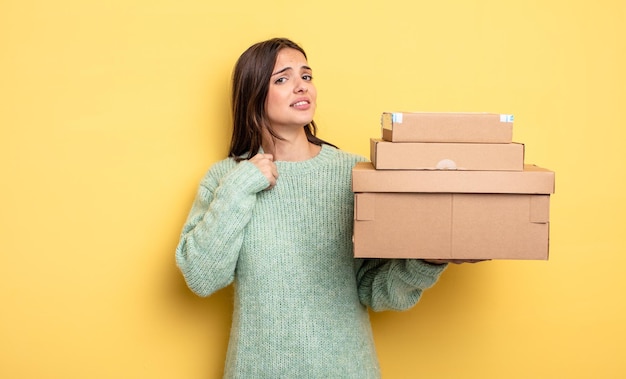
[447, 127]
[451, 214]
[532, 180]
[451, 226]
[446, 156]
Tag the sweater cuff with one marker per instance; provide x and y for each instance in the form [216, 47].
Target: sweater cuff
[426, 273]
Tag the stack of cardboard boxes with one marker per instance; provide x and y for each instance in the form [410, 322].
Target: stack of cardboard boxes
[450, 186]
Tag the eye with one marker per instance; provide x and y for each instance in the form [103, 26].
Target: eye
[280, 80]
[307, 77]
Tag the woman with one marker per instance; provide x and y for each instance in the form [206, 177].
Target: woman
[276, 219]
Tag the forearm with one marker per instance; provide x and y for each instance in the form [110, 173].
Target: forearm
[212, 236]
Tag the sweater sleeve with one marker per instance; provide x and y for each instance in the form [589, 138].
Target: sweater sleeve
[212, 236]
[394, 284]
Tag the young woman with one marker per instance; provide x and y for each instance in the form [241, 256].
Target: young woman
[276, 219]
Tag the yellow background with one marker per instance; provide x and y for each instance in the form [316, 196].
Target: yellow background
[111, 111]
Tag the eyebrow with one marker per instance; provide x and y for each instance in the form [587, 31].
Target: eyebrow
[290, 68]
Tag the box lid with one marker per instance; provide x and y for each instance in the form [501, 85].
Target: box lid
[447, 127]
[387, 155]
[532, 180]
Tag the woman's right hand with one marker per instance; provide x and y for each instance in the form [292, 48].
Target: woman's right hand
[265, 164]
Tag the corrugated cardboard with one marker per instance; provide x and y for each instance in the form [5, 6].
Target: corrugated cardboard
[532, 180]
[446, 156]
[451, 226]
[447, 127]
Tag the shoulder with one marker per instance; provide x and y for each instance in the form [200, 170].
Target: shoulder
[344, 156]
[224, 165]
[218, 170]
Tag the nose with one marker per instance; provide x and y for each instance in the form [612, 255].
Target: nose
[302, 87]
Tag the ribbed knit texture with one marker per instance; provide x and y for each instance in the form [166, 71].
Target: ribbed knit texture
[300, 296]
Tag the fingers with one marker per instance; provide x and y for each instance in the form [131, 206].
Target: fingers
[454, 261]
[265, 164]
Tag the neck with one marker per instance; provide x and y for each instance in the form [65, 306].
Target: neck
[291, 148]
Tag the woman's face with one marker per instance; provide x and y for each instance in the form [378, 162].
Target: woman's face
[291, 97]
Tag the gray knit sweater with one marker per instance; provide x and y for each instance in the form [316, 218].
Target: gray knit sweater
[300, 296]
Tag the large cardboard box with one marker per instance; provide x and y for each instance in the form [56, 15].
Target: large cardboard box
[451, 214]
[446, 156]
[447, 127]
[532, 180]
[451, 226]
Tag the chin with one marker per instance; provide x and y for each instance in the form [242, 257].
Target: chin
[305, 120]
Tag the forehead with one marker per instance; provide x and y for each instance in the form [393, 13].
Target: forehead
[289, 57]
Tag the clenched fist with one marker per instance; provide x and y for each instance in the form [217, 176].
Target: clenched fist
[265, 164]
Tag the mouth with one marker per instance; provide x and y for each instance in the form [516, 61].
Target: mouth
[300, 103]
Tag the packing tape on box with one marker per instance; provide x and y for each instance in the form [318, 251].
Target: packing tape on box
[446, 164]
[506, 118]
[396, 118]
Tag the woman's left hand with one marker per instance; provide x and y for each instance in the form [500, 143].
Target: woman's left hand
[455, 261]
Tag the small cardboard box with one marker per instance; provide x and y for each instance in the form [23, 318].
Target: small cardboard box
[446, 156]
[451, 226]
[532, 180]
[447, 127]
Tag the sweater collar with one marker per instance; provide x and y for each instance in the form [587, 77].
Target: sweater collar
[326, 154]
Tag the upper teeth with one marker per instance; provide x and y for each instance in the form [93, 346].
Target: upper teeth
[299, 103]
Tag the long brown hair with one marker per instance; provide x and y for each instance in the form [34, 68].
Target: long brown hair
[251, 81]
